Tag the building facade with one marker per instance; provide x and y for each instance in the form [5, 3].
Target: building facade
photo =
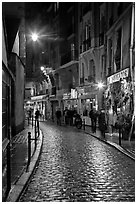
[120, 71]
[92, 18]
[97, 43]
[13, 51]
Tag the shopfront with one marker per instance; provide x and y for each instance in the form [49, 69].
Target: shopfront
[119, 93]
[40, 103]
[119, 99]
[70, 99]
[87, 99]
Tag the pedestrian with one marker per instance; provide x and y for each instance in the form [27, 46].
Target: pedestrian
[29, 113]
[110, 122]
[70, 117]
[102, 123]
[37, 114]
[114, 121]
[58, 116]
[93, 116]
[65, 114]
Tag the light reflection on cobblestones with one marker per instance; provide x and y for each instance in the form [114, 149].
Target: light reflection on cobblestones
[77, 167]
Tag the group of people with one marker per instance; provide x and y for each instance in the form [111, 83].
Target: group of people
[102, 121]
[68, 116]
[37, 113]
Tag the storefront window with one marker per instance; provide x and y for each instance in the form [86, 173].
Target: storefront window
[119, 96]
[87, 105]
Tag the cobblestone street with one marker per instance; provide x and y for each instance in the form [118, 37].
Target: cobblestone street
[75, 166]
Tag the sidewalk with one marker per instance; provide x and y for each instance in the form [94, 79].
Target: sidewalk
[127, 147]
[20, 173]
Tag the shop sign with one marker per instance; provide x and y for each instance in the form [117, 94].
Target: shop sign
[40, 97]
[66, 96]
[73, 93]
[116, 77]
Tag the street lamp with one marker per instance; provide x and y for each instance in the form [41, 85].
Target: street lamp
[34, 37]
[42, 68]
[100, 85]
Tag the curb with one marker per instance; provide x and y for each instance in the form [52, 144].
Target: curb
[22, 182]
[116, 146]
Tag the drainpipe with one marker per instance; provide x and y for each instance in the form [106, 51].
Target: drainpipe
[132, 38]
[131, 55]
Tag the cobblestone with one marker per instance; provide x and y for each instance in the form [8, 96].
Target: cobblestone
[77, 167]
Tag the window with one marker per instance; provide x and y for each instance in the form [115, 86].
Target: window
[118, 50]
[102, 24]
[109, 56]
[5, 110]
[103, 65]
[82, 74]
[92, 74]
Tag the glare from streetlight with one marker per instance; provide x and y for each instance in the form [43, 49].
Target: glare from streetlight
[100, 85]
[42, 68]
[34, 37]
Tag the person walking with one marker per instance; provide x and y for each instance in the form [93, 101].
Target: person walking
[93, 116]
[65, 114]
[58, 116]
[37, 114]
[102, 123]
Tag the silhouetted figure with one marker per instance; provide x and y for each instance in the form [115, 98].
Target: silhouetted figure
[93, 116]
[58, 116]
[102, 123]
[37, 114]
[65, 114]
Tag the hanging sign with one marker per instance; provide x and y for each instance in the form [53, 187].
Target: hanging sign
[116, 77]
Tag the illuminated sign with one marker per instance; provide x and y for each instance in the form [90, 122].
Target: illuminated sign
[116, 77]
[73, 93]
[40, 97]
[66, 96]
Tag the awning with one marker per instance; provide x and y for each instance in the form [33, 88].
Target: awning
[88, 96]
[39, 98]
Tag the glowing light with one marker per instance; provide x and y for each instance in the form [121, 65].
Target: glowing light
[34, 37]
[42, 68]
[100, 85]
